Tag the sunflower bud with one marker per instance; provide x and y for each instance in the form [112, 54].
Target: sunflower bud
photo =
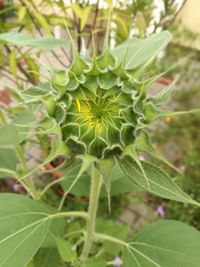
[96, 110]
[101, 104]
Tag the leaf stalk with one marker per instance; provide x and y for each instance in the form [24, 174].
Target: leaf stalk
[92, 212]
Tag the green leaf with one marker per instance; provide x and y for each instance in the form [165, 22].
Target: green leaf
[31, 264]
[83, 13]
[159, 182]
[48, 43]
[13, 63]
[8, 160]
[21, 13]
[131, 152]
[34, 93]
[143, 143]
[32, 68]
[65, 250]
[137, 52]
[163, 244]
[25, 118]
[163, 96]
[84, 18]
[23, 227]
[45, 43]
[47, 258]
[56, 230]
[43, 22]
[152, 112]
[87, 161]
[23, 121]
[8, 135]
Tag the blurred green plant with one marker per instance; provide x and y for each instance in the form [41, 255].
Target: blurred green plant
[97, 113]
[43, 18]
[184, 131]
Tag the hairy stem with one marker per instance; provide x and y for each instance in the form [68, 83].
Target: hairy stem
[92, 212]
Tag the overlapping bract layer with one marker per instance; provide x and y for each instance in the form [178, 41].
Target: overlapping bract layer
[100, 105]
[97, 110]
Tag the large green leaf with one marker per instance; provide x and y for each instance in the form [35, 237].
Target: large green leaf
[42, 21]
[47, 258]
[45, 43]
[159, 181]
[137, 52]
[164, 244]
[8, 160]
[24, 118]
[24, 224]
[8, 135]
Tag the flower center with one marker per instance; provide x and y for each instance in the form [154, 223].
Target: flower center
[98, 112]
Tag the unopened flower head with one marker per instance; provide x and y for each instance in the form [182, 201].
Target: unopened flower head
[98, 110]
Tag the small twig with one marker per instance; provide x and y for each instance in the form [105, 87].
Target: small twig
[178, 11]
[9, 74]
[94, 23]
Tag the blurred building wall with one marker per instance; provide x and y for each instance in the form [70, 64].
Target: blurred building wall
[190, 18]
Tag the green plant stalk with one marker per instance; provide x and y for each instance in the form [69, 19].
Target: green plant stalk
[92, 212]
[28, 180]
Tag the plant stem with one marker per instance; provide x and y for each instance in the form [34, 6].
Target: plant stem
[28, 181]
[92, 212]
[104, 237]
[66, 214]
